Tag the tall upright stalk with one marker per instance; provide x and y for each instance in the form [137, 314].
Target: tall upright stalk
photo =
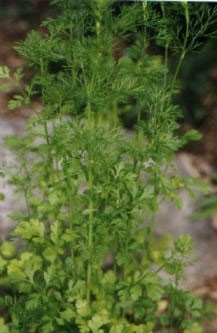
[183, 52]
[90, 235]
[45, 125]
[90, 209]
[166, 48]
[91, 121]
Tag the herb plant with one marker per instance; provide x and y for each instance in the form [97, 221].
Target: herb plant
[86, 258]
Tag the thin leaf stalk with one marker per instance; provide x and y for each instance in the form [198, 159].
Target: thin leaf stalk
[166, 49]
[139, 134]
[27, 191]
[89, 235]
[42, 68]
[90, 208]
[49, 164]
[144, 5]
[183, 53]
[172, 306]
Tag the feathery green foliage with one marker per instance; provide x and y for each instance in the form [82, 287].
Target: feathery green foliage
[88, 260]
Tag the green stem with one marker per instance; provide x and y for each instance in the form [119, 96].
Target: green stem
[166, 49]
[166, 66]
[139, 114]
[115, 268]
[27, 186]
[49, 164]
[176, 73]
[98, 20]
[183, 53]
[90, 208]
[145, 274]
[42, 67]
[126, 246]
[91, 121]
[90, 235]
[173, 305]
[46, 133]
[138, 132]
[126, 263]
[144, 5]
[151, 226]
[70, 196]
[89, 114]
[150, 236]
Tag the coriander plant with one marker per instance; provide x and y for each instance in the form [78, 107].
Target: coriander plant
[86, 258]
